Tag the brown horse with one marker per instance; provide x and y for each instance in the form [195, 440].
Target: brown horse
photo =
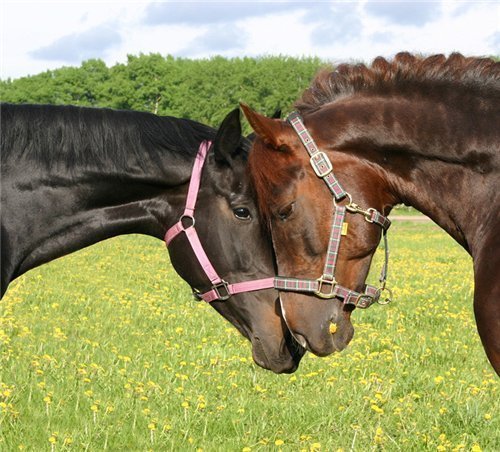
[420, 131]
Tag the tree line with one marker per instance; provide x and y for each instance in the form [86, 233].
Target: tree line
[203, 90]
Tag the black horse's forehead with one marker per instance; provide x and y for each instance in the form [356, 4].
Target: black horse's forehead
[232, 182]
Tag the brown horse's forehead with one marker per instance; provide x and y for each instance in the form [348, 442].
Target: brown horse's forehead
[273, 172]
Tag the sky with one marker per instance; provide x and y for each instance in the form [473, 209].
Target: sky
[41, 35]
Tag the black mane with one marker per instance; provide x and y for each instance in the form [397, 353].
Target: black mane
[93, 137]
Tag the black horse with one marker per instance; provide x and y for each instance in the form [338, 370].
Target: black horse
[73, 176]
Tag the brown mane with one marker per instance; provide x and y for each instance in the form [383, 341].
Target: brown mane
[396, 75]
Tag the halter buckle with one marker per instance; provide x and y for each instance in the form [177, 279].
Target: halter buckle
[364, 301]
[225, 290]
[327, 282]
[321, 164]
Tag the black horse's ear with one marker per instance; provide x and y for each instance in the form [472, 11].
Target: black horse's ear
[228, 138]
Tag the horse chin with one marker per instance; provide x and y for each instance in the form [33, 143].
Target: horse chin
[324, 343]
[312, 332]
[284, 360]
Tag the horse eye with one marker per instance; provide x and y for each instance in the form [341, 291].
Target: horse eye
[286, 211]
[242, 213]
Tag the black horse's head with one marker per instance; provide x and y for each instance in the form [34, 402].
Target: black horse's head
[238, 249]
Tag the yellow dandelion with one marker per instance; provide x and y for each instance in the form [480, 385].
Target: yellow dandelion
[279, 442]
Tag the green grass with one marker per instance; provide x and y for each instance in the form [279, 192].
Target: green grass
[105, 349]
[401, 209]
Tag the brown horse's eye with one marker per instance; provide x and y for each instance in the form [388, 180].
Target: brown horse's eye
[286, 211]
[242, 213]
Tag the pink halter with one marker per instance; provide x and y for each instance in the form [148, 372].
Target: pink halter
[221, 290]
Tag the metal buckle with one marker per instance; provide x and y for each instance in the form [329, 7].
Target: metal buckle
[364, 301]
[320, 158]
[322, 281]
[222, 285]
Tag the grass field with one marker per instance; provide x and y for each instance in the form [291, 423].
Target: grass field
[106, 350]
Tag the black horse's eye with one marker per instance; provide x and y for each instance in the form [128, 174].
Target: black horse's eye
[242, 213]
[286, 211]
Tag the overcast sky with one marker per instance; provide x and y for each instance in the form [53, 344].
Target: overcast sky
[36, 36]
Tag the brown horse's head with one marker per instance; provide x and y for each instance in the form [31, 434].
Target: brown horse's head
[299, 209]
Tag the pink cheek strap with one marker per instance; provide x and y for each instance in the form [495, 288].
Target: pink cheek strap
[221, 290]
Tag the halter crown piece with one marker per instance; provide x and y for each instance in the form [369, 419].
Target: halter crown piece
[325, 286]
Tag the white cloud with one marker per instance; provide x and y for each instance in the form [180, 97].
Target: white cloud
[405, 12]
[336, 31]
[75, 47]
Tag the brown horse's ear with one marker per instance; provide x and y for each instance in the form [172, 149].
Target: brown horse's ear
[271, 130]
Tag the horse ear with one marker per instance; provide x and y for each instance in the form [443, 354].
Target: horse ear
[228, 137]
[276, 115]
[269, 129]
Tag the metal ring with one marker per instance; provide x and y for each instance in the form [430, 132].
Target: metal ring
[349, 197]
[368, 214]
[386, 300]
[187, 217]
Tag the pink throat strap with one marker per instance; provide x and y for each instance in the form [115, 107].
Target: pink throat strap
[220, 290]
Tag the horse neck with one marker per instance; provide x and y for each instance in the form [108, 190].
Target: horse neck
[50, 211]
[429, 156]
